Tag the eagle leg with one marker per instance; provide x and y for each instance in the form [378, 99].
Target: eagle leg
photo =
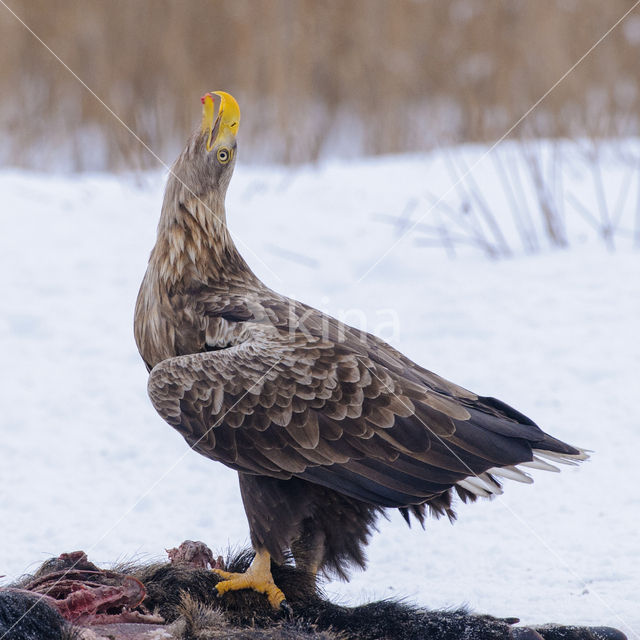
[257, 577]
[308, 550]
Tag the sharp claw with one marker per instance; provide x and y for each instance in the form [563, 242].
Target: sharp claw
[286, 609]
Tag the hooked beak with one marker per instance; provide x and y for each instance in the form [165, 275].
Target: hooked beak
[223, 130]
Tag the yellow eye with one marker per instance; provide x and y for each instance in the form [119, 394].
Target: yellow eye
[224, 155]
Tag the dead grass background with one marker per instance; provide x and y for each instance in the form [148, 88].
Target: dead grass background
[313, 77]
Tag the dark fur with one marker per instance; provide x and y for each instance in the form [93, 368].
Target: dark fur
[27, 617]
[377, 621]
[186, 598]
[384, 620]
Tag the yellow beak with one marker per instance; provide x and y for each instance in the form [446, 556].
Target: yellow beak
[226, 123]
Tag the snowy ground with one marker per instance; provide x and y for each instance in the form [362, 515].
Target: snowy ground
[87, 464]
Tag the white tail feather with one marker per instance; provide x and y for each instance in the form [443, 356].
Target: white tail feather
[562, 458]
[491, 483]
[486, 486]
[473, 488]
[539, 463]
[481, 485]
[511, 473]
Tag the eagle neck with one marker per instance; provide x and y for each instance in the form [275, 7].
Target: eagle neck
[194, 243]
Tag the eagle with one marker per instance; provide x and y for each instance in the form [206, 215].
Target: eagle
[327, 426]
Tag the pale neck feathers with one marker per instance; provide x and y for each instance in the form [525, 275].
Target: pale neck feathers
[194, 242]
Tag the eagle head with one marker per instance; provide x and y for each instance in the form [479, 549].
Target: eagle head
[202, 172]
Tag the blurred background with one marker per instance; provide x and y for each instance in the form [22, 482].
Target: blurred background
[315, 78]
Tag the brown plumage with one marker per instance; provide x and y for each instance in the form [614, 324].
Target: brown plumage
[326, 425]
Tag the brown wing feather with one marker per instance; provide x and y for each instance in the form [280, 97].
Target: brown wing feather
[286, 406]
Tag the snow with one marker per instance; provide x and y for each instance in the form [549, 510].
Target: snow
[87, 464]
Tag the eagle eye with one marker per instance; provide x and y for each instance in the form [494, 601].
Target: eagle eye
[224, 155]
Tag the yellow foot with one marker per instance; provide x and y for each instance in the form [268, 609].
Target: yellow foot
[257, 577]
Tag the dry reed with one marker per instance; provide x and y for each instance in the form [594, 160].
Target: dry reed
[314, 77]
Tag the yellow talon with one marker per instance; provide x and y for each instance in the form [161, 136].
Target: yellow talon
[257, 577]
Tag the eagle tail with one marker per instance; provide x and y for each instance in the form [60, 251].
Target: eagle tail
[559, 452]
[546, 454]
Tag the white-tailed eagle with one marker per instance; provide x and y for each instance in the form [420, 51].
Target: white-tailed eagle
[327, 426]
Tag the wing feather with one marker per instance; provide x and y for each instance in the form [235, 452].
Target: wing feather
[363, 420]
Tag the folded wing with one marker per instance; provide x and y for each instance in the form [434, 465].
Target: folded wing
[381, 432]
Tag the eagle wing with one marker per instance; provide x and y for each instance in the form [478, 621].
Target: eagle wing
[298, 406]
